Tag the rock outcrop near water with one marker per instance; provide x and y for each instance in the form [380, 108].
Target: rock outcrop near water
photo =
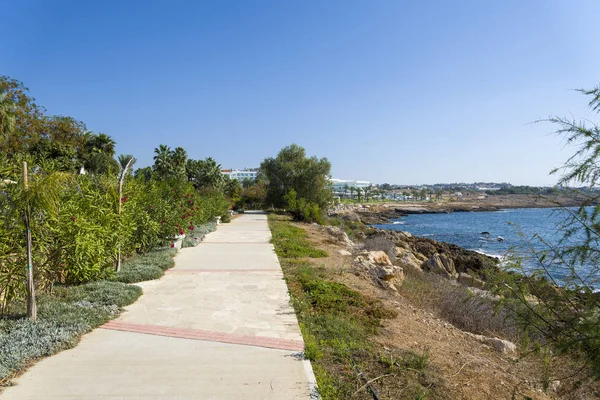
[417, 255]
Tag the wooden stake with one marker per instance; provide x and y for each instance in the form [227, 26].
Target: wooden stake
[31, 305]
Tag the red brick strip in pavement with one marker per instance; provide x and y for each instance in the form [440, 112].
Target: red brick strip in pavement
[197, 334]
[193, 271]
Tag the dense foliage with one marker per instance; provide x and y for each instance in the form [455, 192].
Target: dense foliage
[88, 209]
[296, 182]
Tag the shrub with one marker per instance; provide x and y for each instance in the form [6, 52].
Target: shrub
[133, 273]
[78, 232]
[226, 218]
[303, 210]
[146, 267]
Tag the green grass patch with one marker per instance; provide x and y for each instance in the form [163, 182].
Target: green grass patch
[63, 317]
[146, 267]
[291, 241]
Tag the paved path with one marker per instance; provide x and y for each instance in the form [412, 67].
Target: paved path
[217, 326]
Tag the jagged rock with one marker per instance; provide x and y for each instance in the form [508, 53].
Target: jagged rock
[378, 266]
[344, 252]
[339, 235]
[440, 264]
[408, 261]
[379, 258]
[426, 248]
[350, 216]
[470, 281]
[415, 254]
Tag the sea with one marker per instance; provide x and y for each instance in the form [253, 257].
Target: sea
[496, 233]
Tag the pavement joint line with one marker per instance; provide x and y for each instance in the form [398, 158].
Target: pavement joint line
[203, 242]
[212, 336]
[216, 270]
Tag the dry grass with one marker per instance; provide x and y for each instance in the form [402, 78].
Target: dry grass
[379, 243]
[470, 311]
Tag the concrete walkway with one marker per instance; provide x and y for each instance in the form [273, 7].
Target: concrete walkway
[217, 326]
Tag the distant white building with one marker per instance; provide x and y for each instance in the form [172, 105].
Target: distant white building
[340, 186]
[241, 174]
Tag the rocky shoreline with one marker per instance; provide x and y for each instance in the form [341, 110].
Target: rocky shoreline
[382, 213]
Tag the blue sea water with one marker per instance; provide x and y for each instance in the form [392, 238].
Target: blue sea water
[515, 226]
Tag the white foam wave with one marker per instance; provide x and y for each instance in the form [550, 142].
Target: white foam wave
[499, 257]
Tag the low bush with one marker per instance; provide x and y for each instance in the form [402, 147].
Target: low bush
[226, 218]
[132, 273]
[146, 267]
[303, 210]
[63, 317]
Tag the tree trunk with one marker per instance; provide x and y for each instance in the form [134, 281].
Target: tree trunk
[31, 305]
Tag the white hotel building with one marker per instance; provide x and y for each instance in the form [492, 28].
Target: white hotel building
[241, 174]
[340, 186]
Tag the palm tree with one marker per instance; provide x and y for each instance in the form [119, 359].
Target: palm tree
[212, 175]
[124, 160]
[358, 193]
[346, 190]
[163, 161]
[368, 193]
[352, 188]
[102, 143]
[178, 161]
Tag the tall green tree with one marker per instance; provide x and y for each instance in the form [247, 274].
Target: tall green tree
[7, 115]
[178, 162]
[206, 174]
[163, 161]
[292, 169]
[27, 117]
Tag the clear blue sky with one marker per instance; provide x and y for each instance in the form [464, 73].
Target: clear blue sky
[389, 91]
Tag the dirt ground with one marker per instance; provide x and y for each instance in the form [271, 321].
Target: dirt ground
[470, 369]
